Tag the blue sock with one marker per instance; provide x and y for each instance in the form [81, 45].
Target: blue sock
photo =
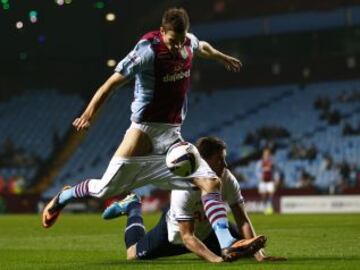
[80, 190]
[135, 229]
[224, 236]
[67, 196]
[215, 211]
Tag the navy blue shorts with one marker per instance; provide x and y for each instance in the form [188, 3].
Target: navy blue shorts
[155, 243]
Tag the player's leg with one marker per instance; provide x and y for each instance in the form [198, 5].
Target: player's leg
[138, 244]
[83, 189]
[270, 190]
[135, 143]
[153, 244]
[135, 229]
[215, 209]
[263, 194]
[141, 246]
[122, 175]
[115, 180]
[216, 213]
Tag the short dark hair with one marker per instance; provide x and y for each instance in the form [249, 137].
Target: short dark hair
[208, 146]
[176, 19]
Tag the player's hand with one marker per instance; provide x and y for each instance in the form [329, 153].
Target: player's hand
[263, 258]
[231, 63]
[81, 123]
[217, 259]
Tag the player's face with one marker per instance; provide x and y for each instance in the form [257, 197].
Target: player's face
[217, 162]
[266, 155]
[173, 40]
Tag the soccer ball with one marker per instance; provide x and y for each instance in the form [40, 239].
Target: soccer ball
[183, 159]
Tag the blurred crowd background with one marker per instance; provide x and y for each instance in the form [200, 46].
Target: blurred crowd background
[298, 93]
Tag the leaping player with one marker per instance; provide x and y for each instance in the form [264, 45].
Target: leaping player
[161, 64]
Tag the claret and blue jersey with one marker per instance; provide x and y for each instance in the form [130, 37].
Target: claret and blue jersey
[162, 78]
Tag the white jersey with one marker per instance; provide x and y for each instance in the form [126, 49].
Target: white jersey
[187, 205]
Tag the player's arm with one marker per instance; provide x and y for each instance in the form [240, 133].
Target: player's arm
[113, 82]
[207, 51]
[194, 244]
[245, 226]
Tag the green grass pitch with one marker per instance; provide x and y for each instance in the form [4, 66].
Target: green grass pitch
[88, 242]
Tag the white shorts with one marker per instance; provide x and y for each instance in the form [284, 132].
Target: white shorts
[126, 174]
[266, 187]
[162, 136]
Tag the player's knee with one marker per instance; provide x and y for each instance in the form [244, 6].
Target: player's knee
[214, 184]
[97, 188]
[131, 253]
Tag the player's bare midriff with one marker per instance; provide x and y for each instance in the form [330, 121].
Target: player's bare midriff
[135, 143]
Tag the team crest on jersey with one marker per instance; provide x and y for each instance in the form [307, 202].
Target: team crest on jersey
[184, 53]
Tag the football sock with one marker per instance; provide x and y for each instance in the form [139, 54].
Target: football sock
[78, 191]
[215, 211]
[135, 229]
[67, 195]
[82, 189]
[134, 209]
